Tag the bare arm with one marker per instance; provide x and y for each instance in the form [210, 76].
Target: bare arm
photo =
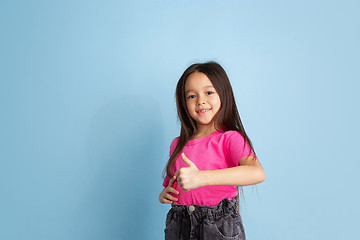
[249, 172]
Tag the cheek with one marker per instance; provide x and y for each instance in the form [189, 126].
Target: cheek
[189, 107]
[217, 103]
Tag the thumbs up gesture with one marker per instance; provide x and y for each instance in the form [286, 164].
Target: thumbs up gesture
[188, 177]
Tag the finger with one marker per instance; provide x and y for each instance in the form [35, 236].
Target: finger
[187, 161]
[173, 190]
[164, 198]
[172, 180]
[177, 173]
[171, 198]
[166, 201]
[183, 187]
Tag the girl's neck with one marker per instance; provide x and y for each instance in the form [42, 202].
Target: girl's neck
[203, 131]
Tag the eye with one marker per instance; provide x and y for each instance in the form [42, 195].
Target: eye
[191, 96]
[209, 93]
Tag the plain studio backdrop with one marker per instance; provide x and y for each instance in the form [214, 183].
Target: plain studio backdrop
[88, 112]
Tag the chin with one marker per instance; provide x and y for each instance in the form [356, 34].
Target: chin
[204, 123]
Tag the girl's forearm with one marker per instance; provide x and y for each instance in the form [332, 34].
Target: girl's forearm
[235, 176]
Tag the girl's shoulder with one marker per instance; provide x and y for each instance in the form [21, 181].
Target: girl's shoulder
[233, 136]
[231, 133]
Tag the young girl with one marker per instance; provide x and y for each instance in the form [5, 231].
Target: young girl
[208, 160]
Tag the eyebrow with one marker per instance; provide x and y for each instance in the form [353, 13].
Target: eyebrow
[208, 86]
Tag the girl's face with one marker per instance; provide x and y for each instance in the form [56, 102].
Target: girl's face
[202, 100]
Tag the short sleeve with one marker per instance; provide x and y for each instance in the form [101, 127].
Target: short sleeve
[172, 148]
[166, 181]
[238, 147]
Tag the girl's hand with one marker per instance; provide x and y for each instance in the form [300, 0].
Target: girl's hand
[188, 177]
[165, 196]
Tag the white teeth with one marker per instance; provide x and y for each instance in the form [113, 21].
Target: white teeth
[203, 110]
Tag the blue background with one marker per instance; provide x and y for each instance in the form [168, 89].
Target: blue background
[88, 112]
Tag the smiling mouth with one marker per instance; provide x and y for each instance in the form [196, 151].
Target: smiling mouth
[204, 110]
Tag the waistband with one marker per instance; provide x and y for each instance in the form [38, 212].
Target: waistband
[225, 206]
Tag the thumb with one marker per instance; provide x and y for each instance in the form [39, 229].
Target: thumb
[187, 160]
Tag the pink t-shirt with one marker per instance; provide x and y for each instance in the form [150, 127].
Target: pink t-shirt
[219, 150]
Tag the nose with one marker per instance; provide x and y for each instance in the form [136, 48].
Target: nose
[200, 101]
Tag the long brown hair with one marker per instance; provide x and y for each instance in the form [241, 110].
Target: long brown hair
[227, 118]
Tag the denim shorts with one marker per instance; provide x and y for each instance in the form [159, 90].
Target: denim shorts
[200, 222]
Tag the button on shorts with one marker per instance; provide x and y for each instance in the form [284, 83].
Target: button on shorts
[199, 222]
